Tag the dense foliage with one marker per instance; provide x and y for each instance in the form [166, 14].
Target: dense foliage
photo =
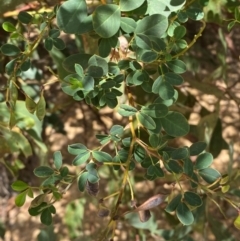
[141, 47]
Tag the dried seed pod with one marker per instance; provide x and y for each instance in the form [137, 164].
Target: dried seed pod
[144, 215]
[151, 203]
[103, 212]
[92, 188]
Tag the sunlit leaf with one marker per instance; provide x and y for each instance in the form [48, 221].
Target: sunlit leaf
[19, 186]
[106, 20]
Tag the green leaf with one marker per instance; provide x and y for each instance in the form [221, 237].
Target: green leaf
[81, 59]
[54, 33]
[26, 65]
[172, 205]
[95, 71]
[82, 181]
[106, 20]
[154, 140]
[30, 104]
[154, 25]
[182, 17]
[151, 171]
[64, 171]
[30, 193]
[101, 156]
[93, 176]
[237, 222]
[8, 27]
[192, 199]
[128, 25]
[155, 110]
[10, 66]
[88, 83]
[184, 215]
[188, 167]
[148, 56]
[59, 43]
[127, 6]
[173, 79]
[48, 44]
[36, 210]
[179, 153]
[194, 183]
[127, 110]
[143, 42]
[116, 130]
[19, 186]
[81, 158]
[196, 148]
[43, 171]
[46, 217]
[77, 148]
[175, 124]
[21, 198]
[231, 25]
[41, 108]
[195, 13]
[72, 17]
[25, 17]
[179, 32]
[165, 7]
[203, 161]
[51, 181]
[72, 83]
[10, 50]
[57, 159]
[175, 167]
[79, 70]
[105, 46]
[146, 121]
[100, 62]
[177, 66]
[103, 139]
[209, 175]
[139, 153]
[158, 171]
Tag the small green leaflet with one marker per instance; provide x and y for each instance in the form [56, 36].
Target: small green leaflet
[146, 121]
[127, 110]
[101, 156]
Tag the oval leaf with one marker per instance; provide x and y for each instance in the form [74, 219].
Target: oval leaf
[10, 50]
[41, 108]
[82, 181]
[20, 199]
[46, 217]
[192, 199]
[106, 20]
[197, 148]
[203, 161]
[57, 159]
[101, 156]
[43, 171]
[146, 121]
[209, 175]
[184, 215]
[172, 205]
[175, 124]
[19, 186]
